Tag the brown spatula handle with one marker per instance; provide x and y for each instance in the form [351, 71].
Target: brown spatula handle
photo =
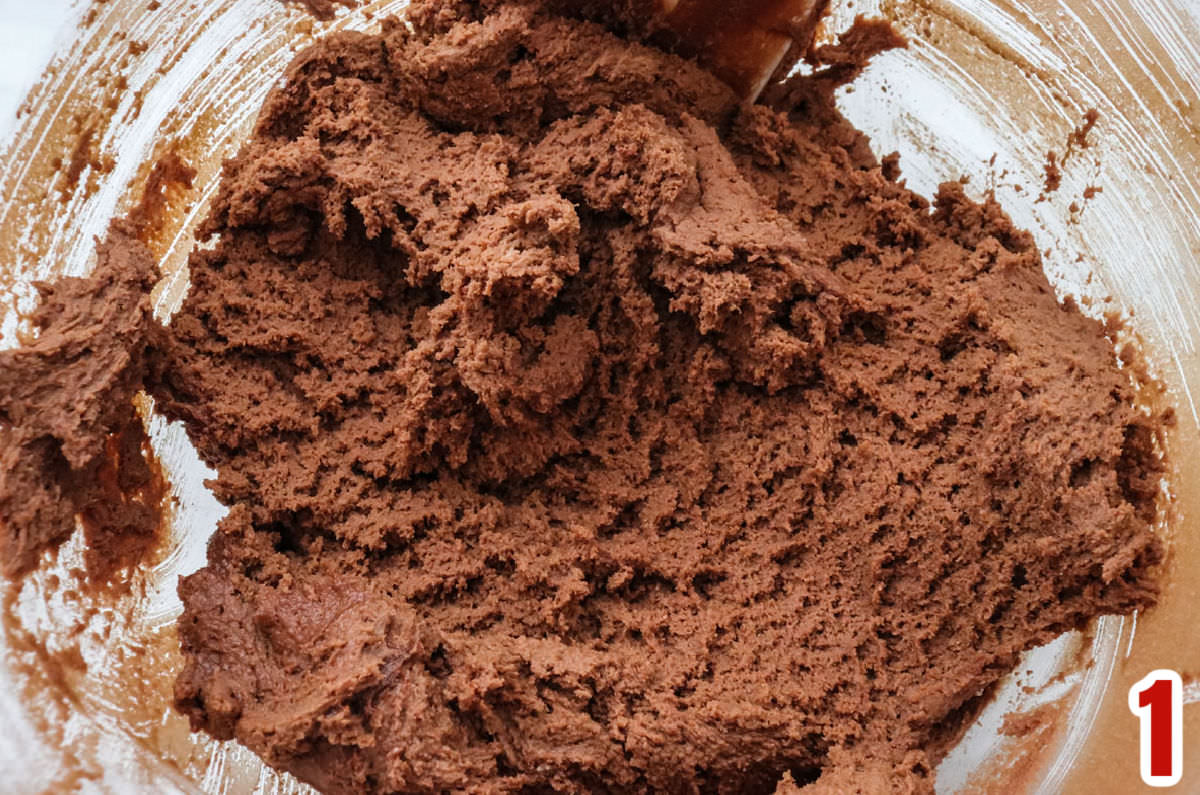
[744, 41]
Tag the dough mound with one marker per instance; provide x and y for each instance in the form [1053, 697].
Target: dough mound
[586, 431]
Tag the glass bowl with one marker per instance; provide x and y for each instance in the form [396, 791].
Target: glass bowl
[986, 89]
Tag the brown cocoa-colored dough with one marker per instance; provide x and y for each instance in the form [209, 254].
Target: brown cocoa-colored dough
[1077, 140]
[124, 508]
[322, 9]
[586, 431]
[169, 178]
[67, 416]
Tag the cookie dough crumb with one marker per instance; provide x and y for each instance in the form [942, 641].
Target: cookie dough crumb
[322, 9]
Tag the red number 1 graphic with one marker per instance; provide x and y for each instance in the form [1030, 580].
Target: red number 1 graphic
[1157, 700]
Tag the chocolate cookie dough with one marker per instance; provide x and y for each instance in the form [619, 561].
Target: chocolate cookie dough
[585, 430]
[70, 439]
[322, 9]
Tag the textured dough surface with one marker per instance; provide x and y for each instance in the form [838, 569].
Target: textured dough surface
[70, 439]
[585, 431]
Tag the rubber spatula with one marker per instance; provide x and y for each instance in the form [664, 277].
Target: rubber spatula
[743, 41]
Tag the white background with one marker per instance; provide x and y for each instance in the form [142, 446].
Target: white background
[27, 35]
